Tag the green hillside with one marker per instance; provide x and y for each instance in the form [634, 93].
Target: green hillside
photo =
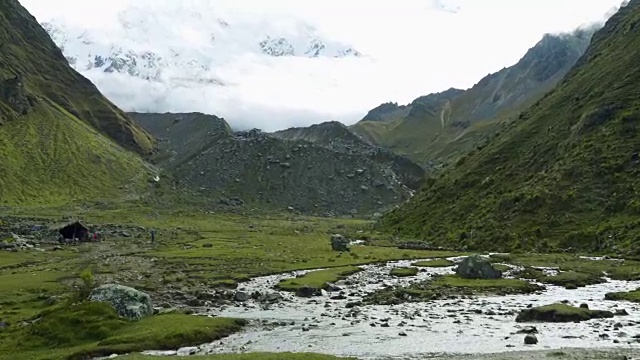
[51, 157]
[564, 175]
[60, 139]
[442, 127]
[28, 52]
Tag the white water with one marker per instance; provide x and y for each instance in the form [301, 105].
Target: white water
[441, 326]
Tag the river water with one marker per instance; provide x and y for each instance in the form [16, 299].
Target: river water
[416, 330]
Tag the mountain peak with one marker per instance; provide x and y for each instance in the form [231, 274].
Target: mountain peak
[184, 46]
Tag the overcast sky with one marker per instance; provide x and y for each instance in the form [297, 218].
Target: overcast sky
[417, 47]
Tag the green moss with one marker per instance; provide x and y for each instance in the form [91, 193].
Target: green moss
[560, 313]
[572, 279]
[404, 271]
[501, 267]
[318, 279]
[434, 263]
[447, 286]
[529, 273]
[563, 176]
[485, 284]
[616, 269]
[104, 333]
[633, 296]
[226, 283]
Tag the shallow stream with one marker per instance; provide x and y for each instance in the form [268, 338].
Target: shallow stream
[475, 325]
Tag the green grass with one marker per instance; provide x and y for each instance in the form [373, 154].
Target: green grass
[404, 271]
[448, 286]
[434, 263]
[501, 267]
[41, 155]
[273, 244]
[563, 176]
[318, 279]
[25, 290]
[104, 333]
[488, 285]
[633, 296]
[575, 271]
[572, 279]
[247, 356]
[68, 143]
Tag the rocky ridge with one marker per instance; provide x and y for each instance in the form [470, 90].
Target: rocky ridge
[252, 168]
[444, 126]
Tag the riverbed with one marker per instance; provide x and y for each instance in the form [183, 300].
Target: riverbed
[478, 325]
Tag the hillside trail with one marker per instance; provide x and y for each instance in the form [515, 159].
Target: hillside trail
[446, 109]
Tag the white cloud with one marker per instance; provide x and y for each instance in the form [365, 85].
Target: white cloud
[415, 47]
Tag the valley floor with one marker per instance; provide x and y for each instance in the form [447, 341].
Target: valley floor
[245, 272]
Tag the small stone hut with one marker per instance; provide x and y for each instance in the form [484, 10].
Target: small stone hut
[75, 230]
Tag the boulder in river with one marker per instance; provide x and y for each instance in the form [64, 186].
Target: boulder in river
[339, 243]
[329, 287]
[271, 297]
[560, 313]
[530, 339]
[307, 291]
[127, 301]
[241, 296]
[477, 267]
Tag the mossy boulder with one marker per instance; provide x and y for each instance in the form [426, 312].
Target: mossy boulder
[632, 296]
[404, 272]
[127, 301]
[339, 243]
[477, 267]
[561, 313]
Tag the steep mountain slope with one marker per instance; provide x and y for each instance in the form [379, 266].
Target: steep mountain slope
[60, 140]
[212, 165]
[27, 50]
[337, 137]
[442, 127]
[565, 175]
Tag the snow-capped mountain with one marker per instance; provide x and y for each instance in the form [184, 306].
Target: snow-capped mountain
[185, 44]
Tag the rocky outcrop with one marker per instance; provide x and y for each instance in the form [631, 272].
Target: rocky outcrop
[128, 302]
[386, 111]
[14, 94]
[335, 136]
[212, 165]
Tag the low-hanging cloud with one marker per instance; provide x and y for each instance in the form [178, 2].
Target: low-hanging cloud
[409, 49]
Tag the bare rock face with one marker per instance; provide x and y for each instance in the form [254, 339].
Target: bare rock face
[322, 170]
[14, 93]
